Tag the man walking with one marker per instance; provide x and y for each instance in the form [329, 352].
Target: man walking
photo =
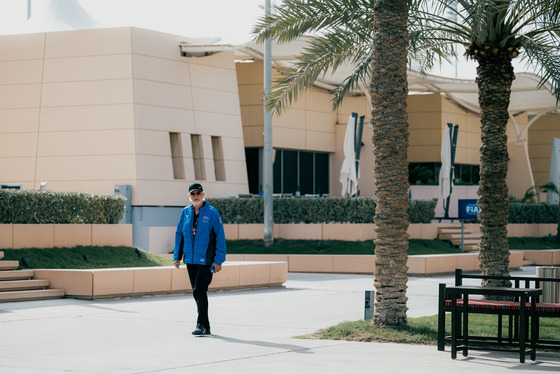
[200, 242]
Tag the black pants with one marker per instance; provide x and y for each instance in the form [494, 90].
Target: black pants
[200, 277]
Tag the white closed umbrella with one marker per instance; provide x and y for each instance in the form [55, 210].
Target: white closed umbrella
[554, 172]
[348, 176]
[444, 173]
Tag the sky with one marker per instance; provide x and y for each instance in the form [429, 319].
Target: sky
[229, 20]
[225, 21]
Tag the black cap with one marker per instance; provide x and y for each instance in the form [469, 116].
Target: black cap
[195, 187]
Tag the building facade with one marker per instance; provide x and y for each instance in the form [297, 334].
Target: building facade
[89, 110]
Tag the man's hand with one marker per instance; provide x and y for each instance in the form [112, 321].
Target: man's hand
[177, 263]
[217, 267]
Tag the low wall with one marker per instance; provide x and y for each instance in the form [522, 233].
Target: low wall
[365, 264]
[543, 256]
[366, 231]
[103, 283]
[51, 235]
[161, 239]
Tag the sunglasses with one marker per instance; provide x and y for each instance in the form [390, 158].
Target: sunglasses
[195, 193]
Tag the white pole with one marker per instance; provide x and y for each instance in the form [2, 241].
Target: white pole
[267, 154]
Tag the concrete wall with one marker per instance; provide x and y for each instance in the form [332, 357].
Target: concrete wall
[49, 235]
[89, 109]
[162, 238]
[365, 264]
[428, 115]
[102, 283]
[432, 193]
[540, 137]
[366, 180]
[308, 124]
[188, 96]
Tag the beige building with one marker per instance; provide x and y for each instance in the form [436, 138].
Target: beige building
[89, 110]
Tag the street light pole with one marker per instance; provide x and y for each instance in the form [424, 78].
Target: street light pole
[267, 154]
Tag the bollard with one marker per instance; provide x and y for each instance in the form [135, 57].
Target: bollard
[368, 308]
[551, 290]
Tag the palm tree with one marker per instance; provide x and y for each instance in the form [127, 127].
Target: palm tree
[372, 36]
[494, 33]
[389, 91]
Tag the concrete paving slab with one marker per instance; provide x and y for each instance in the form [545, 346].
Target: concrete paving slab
[253, 332]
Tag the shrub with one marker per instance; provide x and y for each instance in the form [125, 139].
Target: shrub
[533, 213]
[314, 210]
[421, 211]
[32, 207]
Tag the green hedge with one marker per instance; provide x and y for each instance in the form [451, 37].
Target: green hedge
[355, 210]
[314, 210]
[32, 207]
[29, 207]
[533, 213]
[421, 211]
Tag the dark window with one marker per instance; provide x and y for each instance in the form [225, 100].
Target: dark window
[291, 169]
[467, 174]
[306, 172]
[423, 173]
[277, 171]
[321, 173]
[252, 158]
[427, 173]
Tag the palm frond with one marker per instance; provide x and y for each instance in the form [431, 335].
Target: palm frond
[323, 54]
[343, 36]
[294, 18]
[547, 58]
[360, 75]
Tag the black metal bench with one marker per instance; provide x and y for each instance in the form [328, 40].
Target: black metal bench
[500, 308]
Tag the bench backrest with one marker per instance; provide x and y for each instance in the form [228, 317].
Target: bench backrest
[517, 281]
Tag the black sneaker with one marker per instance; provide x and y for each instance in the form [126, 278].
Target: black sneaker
[201, 330]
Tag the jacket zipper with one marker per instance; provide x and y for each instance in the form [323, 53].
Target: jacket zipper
[192, 237]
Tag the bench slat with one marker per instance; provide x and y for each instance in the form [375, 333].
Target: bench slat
[505, 305]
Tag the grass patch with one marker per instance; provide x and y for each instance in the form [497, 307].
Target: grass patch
[115, 257]
[84, 257]
[367, 247]
[423, 330]
[544, 242]
[419, 331]
[333, 247]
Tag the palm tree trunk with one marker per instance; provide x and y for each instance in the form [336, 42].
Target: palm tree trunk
[389, 90]
[494, 87]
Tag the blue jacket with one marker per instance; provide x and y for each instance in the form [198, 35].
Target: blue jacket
[209, 244]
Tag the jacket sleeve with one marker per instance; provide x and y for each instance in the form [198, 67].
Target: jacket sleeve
[179, 238]
[220, 240]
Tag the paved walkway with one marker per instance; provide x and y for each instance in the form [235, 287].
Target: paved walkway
[253, 332]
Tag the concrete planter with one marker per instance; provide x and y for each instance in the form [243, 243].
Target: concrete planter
[366, 231]
[51, 235]
[365, 264]
[102, 283]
